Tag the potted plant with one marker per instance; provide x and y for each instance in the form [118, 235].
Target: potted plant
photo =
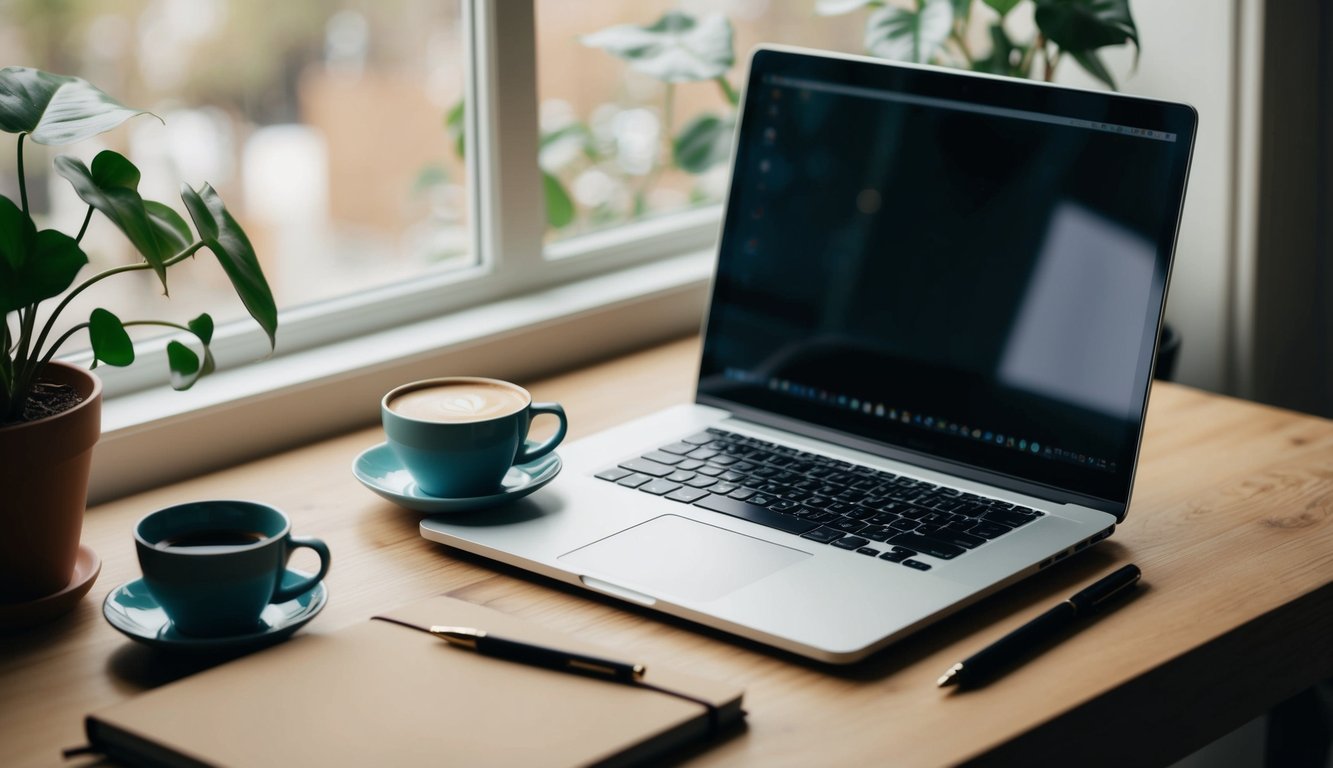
[50, 410]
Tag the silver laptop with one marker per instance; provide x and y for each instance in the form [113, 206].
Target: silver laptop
[925, 366]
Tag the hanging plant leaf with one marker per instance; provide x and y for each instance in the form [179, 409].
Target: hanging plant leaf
[559, 205]
[184, 363]
[839, 7]
[228, 242]
[34, 266]
[112, 187]
[171, 228]
[56, 109]
[111, 343]
[1079, 26]
[1092, 62]
[909, 35]
[677, 48]
[202, 326]
[703, 143]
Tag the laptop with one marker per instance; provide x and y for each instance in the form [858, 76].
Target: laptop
[925, 364]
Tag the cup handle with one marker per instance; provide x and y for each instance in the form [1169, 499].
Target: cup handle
[526, 454]
[283, 594]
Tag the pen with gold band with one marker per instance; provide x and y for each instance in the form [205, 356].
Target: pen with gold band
[527, 653]
[1010, 649]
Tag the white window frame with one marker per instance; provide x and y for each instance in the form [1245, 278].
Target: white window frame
[523, 310]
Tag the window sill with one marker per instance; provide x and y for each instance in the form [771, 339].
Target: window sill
[156, 436]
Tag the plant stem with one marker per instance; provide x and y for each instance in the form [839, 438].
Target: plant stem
[29, 368]
[1025, 66]
[733, 98]
[23, 184]
[87, 218]
[961, 39]
[63, 338]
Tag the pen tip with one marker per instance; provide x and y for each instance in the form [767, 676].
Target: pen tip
[949, 678]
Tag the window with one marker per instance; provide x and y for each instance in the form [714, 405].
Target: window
[381, 157]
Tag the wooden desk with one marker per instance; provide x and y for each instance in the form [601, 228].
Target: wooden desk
[1232, 523]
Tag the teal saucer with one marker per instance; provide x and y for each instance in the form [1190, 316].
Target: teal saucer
[380, 470]
[131, 609]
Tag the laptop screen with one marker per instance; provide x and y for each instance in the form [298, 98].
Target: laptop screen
[968, 269]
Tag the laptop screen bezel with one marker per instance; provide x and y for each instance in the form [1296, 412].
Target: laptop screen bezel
[767, 58]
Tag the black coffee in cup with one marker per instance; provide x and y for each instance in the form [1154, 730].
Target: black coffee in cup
[211, 538]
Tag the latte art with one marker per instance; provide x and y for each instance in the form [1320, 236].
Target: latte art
[461, 402]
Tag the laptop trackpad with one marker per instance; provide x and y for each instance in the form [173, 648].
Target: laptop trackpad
[671, 556]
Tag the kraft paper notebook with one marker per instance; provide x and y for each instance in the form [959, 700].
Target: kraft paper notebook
[379, 693]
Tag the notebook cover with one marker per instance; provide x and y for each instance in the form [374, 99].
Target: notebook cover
[382, 694]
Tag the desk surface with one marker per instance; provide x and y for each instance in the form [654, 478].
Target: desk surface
[1232, 523]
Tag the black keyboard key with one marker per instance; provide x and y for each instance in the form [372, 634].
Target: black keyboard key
[817, 515]
[847, 526]
[897, 555]
[661, 457]
[917, 564]
[690, 464]
[883, 518]
[871, 551]
[659, 487]
[741, 494]
[783, 506]
[824, 535]
[1008, 517]
[702, 454]
[850, 542]
[760, 499]
[710, 471]
[724, 461]
[904, 525]
[730, 476]
[876, 532]
[687, 495]
[722, 489]
[756, 514]
[700, 481]
[613, 474]
[933, 547]
[680, 476]
[699, 439]
[680, 449]
[989, 530]
[634, 481]
[647, 467]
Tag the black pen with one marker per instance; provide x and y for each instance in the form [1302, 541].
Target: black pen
[526, 653]
[1008, 650]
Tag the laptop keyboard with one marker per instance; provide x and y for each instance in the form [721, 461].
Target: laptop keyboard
[848, 506]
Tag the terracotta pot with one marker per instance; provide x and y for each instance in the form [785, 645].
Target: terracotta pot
[44, 469]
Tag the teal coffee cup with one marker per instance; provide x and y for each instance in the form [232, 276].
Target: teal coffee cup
[214, 566]
[458, 436]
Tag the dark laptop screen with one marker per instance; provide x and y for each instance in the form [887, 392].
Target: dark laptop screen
[964, 268]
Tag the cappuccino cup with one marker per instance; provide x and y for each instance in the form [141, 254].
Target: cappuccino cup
[214, 566]
[458, 436]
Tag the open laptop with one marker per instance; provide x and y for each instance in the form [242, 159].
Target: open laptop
[925, 366]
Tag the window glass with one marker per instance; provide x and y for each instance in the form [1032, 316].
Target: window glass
[323, 126]
[638, 100]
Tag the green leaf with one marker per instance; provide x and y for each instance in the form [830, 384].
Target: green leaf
[111, 344]
[907, 35]
[34, 266]
[112, 187]
[559, 205]
[1078, 26]
[1000, 60]
[839, 7]
[225, 238]
[184, 363]
[1002, 7]
[677, 48]
[56, 109]
[202, 326]
[703, 143]
[453, 124]
[171, 228]
[1093, 63]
